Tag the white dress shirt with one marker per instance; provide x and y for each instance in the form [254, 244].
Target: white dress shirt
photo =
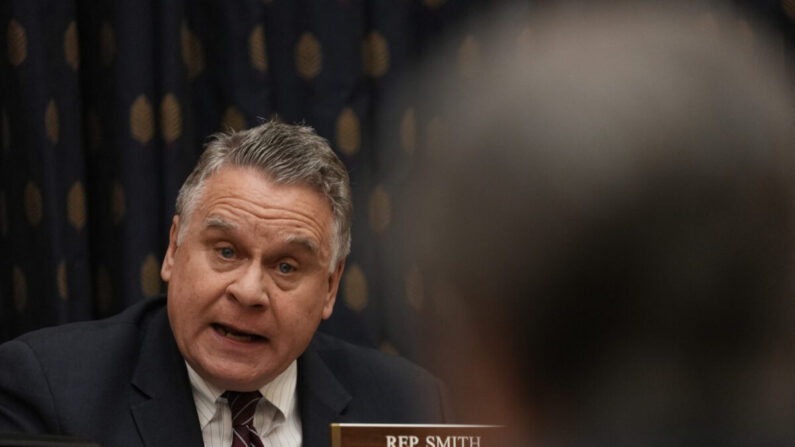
[276, 418]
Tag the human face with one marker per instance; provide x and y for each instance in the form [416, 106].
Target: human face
[249, 283]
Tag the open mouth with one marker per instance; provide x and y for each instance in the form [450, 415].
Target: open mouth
[236, 335]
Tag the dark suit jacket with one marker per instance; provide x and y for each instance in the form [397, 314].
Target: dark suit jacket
[122, 382]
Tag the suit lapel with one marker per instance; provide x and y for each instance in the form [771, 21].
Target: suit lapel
[163, 406]
[323, 399]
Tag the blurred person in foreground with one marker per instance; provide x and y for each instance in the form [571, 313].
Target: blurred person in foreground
[605, 232]
[231, 356]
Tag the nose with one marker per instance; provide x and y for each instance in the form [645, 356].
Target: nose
[248, 287]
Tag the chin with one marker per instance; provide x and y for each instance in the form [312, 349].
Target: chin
[237, 382]
[236, 378]
[243, 386]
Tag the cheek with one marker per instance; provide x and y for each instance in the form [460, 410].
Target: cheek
[315, 299]
[299, 308]
[190, 291]
[193, 276]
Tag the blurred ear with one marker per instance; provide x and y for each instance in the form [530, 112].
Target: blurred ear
[168, 260]
[333, 286]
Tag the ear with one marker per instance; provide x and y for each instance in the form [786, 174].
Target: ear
[168, 260]
[333, 285]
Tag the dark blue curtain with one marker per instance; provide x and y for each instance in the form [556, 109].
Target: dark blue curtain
[105, 105]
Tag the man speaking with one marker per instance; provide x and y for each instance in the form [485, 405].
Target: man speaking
[231, 357]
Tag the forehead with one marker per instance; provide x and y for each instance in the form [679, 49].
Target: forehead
[244, 195]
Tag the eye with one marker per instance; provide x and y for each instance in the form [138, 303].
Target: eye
[226, 252]
[285, 268]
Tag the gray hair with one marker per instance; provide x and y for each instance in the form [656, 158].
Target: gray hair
[287, 154]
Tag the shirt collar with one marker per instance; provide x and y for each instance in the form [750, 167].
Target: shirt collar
[280, 392]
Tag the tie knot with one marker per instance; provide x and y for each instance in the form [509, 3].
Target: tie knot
[242, 405]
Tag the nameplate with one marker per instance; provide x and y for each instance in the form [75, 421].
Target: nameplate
[414, 435]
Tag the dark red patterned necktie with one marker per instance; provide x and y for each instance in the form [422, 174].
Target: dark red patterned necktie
[243, 406]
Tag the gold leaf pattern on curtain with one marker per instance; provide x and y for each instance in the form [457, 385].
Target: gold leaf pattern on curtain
[141, 120]
[62, 280]
[257, 49]
[71, 46]
[348, 132]
[192, 52]
[233, 119]
[17, 43]
[308, 56]
[76, 206]
[170, 118]
[375, 55]
[380, 207]
[355, 287]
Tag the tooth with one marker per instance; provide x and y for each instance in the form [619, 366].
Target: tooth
[235, 335]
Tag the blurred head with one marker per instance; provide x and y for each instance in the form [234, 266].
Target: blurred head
[607, 229]
[256, 252]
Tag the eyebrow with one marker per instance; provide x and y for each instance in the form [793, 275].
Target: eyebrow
[303, 241]
[219, 223]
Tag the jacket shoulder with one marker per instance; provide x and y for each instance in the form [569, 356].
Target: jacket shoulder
[342, 355]
[379, 380]
[54, 376]
[96, 334]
